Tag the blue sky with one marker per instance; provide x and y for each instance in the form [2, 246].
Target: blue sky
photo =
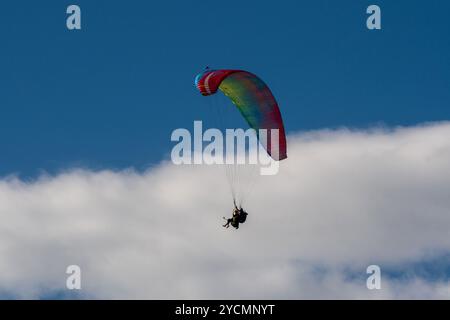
[109, 96]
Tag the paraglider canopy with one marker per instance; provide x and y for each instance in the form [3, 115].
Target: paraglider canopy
[254, 100]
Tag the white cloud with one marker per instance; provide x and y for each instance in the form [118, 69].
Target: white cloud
[342, 200]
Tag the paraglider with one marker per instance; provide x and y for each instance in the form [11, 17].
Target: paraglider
[258, 107]
[239, 216]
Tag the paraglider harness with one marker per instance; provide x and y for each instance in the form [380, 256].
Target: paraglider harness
[242, 216]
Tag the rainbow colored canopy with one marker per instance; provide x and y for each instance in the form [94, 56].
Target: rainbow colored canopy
[254, 100]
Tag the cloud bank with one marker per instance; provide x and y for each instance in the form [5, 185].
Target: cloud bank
[343, 200]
